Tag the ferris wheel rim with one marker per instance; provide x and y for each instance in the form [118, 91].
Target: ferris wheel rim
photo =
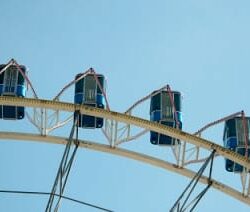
[121, 117]
[132, 120]
[149, 160]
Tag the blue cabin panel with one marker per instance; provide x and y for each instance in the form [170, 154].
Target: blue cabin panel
[231, 143]
[241, 151]
[21, 90]
[100, 101]
[86, 121]
[87, 92]
[162, 111]
[78, 99]
[234, 139]
[231, 166]
[12, 112]
[12, 83]
[160, 139]
[155, 116]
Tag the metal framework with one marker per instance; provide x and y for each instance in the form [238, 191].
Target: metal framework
[178, 207]
[131, 120]
[121, 121]
[46, 116]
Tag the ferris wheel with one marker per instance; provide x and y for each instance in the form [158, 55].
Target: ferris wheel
[91, 110]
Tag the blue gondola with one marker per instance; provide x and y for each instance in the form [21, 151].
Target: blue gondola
[234, 139]
[12, 83]
[87, 92]
[162, 111]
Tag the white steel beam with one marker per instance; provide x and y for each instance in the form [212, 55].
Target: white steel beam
[70, 107]
[128, 154]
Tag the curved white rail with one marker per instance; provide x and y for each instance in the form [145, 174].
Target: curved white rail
[128, 154]
[40, 103]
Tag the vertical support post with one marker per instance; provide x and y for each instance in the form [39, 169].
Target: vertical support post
[197, 152]
[42, 121]
[45, 121]
[245, 129]
[111, 133]
[245, 181]
[115, 132]
[178, 147]
[57, 116]
[129, 126]
[183, 153]
[248, 190]
[176, 152]
[243, 177]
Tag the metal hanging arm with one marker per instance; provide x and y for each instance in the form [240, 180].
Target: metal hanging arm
[245, 129]
[26, 78]
[101, 88]
[217, 122]
[92, 71]
[144, 99]
[56, 98]
[6, 66]
[172, 103]
[13, 62]
[211, 124]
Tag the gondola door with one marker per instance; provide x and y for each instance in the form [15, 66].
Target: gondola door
[10, 85]
[166, 107]
[10, 81]
[90, 89]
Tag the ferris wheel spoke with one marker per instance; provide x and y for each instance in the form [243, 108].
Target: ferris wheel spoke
[63, 170]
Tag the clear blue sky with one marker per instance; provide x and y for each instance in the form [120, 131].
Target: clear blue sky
[200, 48]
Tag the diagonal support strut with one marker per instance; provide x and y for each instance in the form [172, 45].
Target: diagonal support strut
[178, 207]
